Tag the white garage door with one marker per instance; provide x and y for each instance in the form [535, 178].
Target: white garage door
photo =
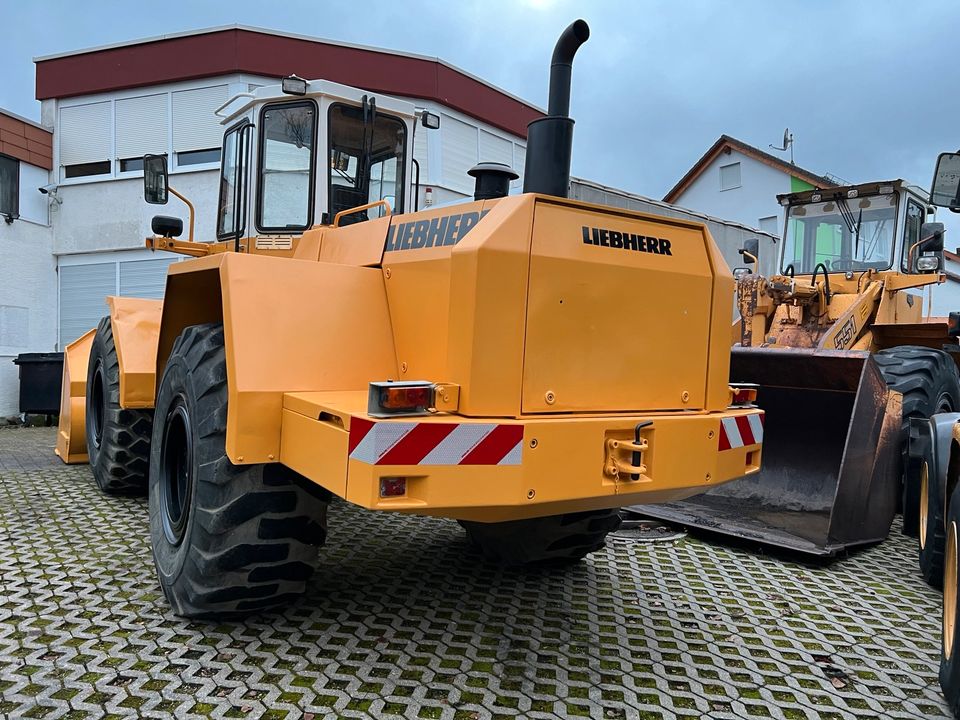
[86, 281]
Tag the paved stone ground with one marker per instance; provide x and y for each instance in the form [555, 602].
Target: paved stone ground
[405, 620]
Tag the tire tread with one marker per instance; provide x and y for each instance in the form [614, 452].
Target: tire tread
[255, 530]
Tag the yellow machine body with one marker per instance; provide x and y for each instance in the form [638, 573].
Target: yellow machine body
[555, 328]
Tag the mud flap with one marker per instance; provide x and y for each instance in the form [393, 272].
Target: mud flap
[831, 438]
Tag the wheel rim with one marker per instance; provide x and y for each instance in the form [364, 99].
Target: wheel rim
[924, 497]
[98, 400]
[950, 591]
[176, 471]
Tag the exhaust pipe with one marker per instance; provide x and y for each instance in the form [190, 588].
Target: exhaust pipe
[550, 139]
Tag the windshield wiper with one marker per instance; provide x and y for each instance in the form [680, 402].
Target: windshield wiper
[853, 227]
[846, 214]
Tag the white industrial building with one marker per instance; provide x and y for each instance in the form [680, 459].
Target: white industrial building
[102, 109]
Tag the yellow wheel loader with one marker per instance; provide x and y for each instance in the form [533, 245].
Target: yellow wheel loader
[509, 362]
[935, 448]
[824, 339]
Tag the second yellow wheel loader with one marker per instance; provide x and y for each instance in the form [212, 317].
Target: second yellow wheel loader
[824, 339]
[935, 447]
[509, 362]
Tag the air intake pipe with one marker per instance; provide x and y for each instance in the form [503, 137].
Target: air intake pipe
[550, 139]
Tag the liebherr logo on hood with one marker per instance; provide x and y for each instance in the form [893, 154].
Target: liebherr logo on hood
[625, 241]
[435, 232]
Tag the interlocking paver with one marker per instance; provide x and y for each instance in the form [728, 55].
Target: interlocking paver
[404, 620]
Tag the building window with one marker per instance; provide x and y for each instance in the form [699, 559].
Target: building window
[9, 187]
[142, 126]
[126, 128]
[198, 157]
[730, 176]
[85, 137]
[87, 169]
[769, 224]
[131, 164]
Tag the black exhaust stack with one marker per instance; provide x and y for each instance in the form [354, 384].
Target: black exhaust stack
[550, 139]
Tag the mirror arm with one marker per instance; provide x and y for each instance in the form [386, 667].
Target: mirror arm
[189, 206]
[913, 247]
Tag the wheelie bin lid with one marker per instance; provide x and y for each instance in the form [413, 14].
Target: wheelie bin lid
[40, 357]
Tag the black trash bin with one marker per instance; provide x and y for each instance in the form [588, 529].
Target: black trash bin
[41, 378]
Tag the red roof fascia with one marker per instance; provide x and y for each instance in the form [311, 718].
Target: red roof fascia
[225, 52]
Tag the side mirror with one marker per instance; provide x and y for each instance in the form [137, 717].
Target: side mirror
[155, 179]
[930, 251]
[945, 191]
[931, 237]
[750, 250]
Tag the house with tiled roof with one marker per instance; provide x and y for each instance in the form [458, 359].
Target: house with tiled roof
[740, 182]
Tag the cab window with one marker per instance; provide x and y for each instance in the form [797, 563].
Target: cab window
[286, 169]
[911, 231]
[232, 200]
[844, 236]
[367, 160]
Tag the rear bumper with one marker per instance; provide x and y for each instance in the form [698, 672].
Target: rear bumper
[493, 470]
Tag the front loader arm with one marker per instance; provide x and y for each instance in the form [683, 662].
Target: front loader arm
[755, 309]
[854, 323]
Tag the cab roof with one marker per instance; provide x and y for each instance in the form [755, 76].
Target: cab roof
[242, 103]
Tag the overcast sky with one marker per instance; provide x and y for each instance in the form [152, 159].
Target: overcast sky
[858, 83]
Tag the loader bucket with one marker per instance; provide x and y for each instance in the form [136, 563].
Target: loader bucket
[828, 478]
[71, 434]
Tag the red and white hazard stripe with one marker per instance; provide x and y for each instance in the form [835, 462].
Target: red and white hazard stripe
[412, 443]
[740, 431]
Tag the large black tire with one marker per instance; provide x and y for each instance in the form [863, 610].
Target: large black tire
[931, 445]
[932, 535]
[228, 540]
[551, 540]
[950, 636]
[928, 380]
[118, 440]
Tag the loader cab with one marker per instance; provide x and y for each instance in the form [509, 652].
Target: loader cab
[853, 229]
[295, 159]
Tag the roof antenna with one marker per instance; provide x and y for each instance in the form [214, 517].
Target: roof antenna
[787, 144]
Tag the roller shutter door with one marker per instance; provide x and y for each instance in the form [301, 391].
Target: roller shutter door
[84, 289]
[459, 148]
[85, 133]
[83, 292]
[144, 278]
[195, 127]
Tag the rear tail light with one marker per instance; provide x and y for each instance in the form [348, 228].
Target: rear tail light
[406, 398]
[393, 487]
[386, 399]
[743, 395]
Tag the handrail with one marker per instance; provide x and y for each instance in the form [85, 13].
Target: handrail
[351, 211]
[229, 102]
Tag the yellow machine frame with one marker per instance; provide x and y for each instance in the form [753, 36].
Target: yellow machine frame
[494, 318]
